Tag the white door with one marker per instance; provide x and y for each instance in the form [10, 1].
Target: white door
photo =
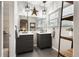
[9, 17]
[12, 42]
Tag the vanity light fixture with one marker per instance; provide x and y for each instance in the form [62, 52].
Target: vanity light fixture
[44, 11]
[27, 8]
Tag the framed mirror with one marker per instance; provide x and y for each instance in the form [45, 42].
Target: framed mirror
[23, 25]
[32, 26]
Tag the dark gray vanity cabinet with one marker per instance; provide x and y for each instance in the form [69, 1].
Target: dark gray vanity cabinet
[44, 41]
[24, 44]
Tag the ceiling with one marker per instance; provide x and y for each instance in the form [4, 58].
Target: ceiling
[50, 6]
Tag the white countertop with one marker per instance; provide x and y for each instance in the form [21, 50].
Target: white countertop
[25, 33]
[31, 33]
[44, 33]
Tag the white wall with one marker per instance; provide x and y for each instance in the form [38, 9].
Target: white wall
[76, 29]
[1, 30]
[64, 43]
[30, 19]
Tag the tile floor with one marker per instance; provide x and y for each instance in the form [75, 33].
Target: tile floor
[49, 52]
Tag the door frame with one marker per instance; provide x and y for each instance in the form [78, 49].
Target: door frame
[1, 30]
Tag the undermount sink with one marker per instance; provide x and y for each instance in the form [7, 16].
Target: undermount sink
[44, 33]
[25, 33]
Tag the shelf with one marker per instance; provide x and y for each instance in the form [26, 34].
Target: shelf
[67, 38]
[69, 18]
[71, 2]
[67, 53]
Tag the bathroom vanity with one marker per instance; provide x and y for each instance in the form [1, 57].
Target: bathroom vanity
[24, 43]
[44, 40]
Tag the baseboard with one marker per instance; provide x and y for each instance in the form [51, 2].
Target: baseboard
[55, 49]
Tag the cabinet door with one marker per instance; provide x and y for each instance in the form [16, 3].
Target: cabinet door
[24, 44]
[44, 40]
